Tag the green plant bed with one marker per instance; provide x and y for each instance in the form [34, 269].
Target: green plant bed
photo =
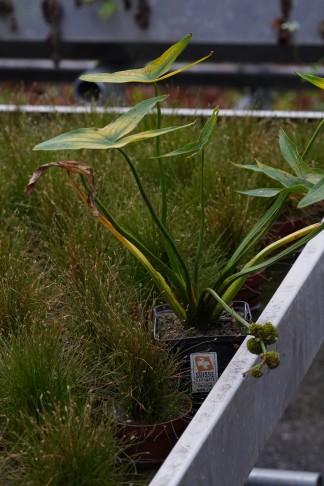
[75, 308]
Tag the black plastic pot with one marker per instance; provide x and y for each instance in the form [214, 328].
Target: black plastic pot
[213, 353]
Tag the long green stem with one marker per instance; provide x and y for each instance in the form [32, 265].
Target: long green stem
[163, 186]
[163, 230]
[312, 140]
[227, 307]
[202, 219]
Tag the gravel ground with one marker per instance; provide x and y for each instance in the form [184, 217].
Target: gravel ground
[297, 443]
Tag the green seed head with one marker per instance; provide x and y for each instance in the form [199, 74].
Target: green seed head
[271, 359]
[267, 332]
[256, 371]
[255, 330]
[254, 346]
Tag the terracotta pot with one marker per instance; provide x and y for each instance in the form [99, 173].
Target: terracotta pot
[151, 444]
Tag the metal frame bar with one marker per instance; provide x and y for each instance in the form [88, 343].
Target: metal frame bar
[190, 112]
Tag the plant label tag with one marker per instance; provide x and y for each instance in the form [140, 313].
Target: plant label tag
[204, 371]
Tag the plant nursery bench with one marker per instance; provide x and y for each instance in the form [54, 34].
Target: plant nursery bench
[223, 441]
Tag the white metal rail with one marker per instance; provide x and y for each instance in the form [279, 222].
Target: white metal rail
[75, 109]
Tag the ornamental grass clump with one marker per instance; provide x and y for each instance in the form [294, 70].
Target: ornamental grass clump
[179, 282]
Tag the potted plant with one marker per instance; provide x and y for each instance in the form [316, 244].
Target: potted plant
[150, 409]
[195, 306]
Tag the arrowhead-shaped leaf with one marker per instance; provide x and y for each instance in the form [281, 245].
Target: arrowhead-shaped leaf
[152, 72]
[127, 122]
[111, 136]
[291, 155]
[205, 135]
[316, 80]
[91, 138]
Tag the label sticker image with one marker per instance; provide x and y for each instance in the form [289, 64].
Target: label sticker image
[204, 371]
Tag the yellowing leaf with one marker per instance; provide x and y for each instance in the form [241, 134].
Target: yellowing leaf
[316, 80]
[111, 136]
[91, 138]
[154, 71]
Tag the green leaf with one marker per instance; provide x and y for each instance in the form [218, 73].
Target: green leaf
[150, 134]
[152, 72]
[253, 167]
[198, 145]
[317, 81]
[111, 136]
[270, 192]
[262, 192]
[91, 138]
[314, 195]
[286, 179]
[291, 155]
[129, 120]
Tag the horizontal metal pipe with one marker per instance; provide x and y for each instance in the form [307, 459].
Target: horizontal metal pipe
[282, 477]
[303, 115]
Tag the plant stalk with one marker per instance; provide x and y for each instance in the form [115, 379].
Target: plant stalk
[175, 253]
[227, 307]
[312, 140]
[164, 208]
[202, 219]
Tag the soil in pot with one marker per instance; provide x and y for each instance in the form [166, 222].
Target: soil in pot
[203, 358]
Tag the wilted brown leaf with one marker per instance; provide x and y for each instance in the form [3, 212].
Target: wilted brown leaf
[69, 165]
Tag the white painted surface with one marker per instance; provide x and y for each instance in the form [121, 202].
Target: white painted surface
[225, 438]
[202, 112]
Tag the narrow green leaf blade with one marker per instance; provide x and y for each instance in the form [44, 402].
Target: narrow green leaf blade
[186, 149]
[148, 134]
[253, 167]
[291, 155]
[270, 192]
[314, 195]
[187, 66]
[196, 146]
[316, 80]
[262, 192]
[208, 130]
